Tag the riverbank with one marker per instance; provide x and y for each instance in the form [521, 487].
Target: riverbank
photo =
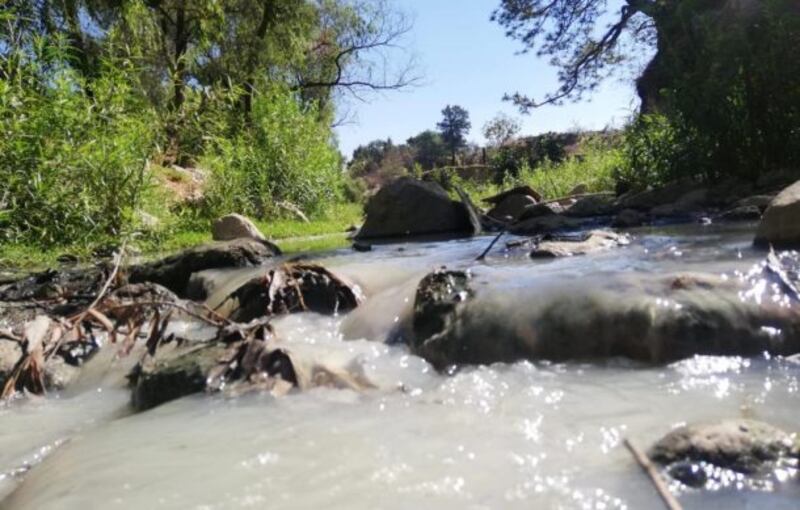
[325, 232]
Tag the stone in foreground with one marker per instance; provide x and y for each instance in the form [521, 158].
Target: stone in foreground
[468, 318]
[694, 454]
[780, 225]
[409, 207]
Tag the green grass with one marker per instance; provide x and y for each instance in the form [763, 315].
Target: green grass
[325, 232]
[595, 167]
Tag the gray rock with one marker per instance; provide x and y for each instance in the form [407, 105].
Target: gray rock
[628, 218]
[175, 271]
[241, 358]
[760, 201]
[780, 225]
[545, 223]
[598, 204]
[579, 189]
[462, 319]
[665, 195]
[293, 288]
[595, 241]
[741, 213]
[512, 207]
[519, 190]
[235, 226]
[744, 446]
[408, 207]
[10, 353]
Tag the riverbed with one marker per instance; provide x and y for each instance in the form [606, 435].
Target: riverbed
[522, 435]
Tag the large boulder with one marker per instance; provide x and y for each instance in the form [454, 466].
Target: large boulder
[471, 318]
[695, 454]
[780, 225]
[235, 226]
[409, 207]
[174, 272]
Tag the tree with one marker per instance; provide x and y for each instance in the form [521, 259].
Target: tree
[501, 129]
[429, 149]
[454, 127]
[572, 35]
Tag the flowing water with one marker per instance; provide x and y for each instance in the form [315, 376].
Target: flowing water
[524, 435]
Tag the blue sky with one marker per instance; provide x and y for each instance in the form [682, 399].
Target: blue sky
[466, 59]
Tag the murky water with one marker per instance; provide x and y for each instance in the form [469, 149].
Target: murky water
[525, 435]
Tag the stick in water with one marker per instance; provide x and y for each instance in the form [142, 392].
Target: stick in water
[655, 477]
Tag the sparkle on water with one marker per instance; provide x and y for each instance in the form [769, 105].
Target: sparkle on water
[526, 435]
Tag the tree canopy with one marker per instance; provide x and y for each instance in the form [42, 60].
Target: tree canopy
[454, 127]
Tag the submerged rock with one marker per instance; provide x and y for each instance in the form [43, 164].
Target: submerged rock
[694, 454]
[175, 271]
[235, 226]
[652, 319]
[293, 288]
[780, 225]
[409, 207]
[594, 241]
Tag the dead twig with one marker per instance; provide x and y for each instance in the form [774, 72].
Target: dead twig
[669, 500]
[491, 245]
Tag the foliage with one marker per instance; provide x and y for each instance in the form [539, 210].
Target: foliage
[454, 127]
[72, 155]
[501, 129]
[429, 149]
[284, 155]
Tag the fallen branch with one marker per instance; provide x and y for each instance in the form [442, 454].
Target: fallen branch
[491, 245]
[669, 500]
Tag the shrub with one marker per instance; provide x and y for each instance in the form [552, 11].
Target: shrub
[72, 156]
[284, 154]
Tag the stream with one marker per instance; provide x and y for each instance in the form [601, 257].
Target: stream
[522, 435]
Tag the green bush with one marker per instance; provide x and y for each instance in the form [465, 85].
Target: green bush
[72, 155]
[284, 154]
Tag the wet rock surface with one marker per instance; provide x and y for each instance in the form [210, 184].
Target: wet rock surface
[780, 225]
[512, 207]
[240, 358]
[597, 204]
[293, 288]
[174, 272]
[591, 242]
[526, 191]
[703, 455]
[408, 207]
[462, 320]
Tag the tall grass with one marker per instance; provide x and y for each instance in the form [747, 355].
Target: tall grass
[596, 165]
[72, 156]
